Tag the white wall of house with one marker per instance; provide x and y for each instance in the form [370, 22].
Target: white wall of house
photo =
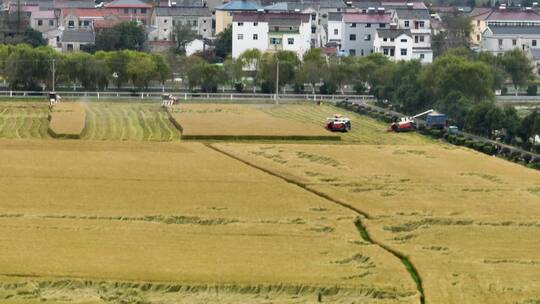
[43, 25]
[162, 27]
[301, 41]
[402, 46]
[335, 31]
[423, 55]
[249, 35]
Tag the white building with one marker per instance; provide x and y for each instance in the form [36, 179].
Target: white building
[499, 39]
[164, 20]
[335, 28]
[399, 44]
[271, 32]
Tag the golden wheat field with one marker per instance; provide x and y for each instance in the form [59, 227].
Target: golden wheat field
[467, 221]
[85, 219]
[129, 214]
[242, 121]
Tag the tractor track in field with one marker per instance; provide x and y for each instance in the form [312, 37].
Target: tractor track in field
[364, 234]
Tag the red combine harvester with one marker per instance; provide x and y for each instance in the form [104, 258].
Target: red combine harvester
[338, 123]
[406, 124]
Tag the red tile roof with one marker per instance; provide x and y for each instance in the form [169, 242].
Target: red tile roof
[84, 12]
[513, 15]
[367, 17]
[266, 17]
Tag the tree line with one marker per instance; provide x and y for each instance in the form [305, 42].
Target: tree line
[28, 68]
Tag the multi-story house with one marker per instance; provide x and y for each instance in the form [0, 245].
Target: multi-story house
[399, 44]
[75, 18]
[44, 21]
[270, 32]
[130, 10]
[164, 20]
[498, 39]
[396, 44]
[418, 22]
[358, 32]
[335, 29]
[481, 18]
[224, 13]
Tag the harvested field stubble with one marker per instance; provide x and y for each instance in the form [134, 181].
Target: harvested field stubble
[67, 120]
[233, 121]
[452, 211]
[149, 212]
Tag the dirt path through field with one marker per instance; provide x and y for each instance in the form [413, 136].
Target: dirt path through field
[411, 269]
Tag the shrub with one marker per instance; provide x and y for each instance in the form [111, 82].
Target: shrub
[515, 155]
[328, 89]
[460, 140]
[451, 138]
[532, 90]
[526, 157]
[478, 146]
[238, 87]
[436, 133]
[469, 143]
[489, 149]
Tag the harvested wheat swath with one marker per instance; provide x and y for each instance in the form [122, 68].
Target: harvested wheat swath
[241, 122]
[23, 120]
[67, 120]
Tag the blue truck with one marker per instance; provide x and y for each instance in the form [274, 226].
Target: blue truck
[435, 120]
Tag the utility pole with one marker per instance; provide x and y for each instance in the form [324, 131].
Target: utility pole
[277, 79]
[54, 75]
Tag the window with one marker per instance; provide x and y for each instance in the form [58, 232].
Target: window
[336, 32]
[353, 24]
[415, 39]
[385, 39]
[478, 37]
[255, 23]
[86, 23]
[313, 17]
[194, 22]
[368, 24]
[391, 39]
[362, 52]
[422, 38]
[352, 52]
[255, 37]
[313, 30]
[70, 47]
[404, 40]
[71, 23]
[421, 24]
[275, 41]
[500, 42]
[40, 22]
[165, 21]
[367, 37]
[422, 56]
[477, 22]
[385, 52]
[126, 11]
[382, 25]
[352, 37]
[51, 22]
[240, 36]
[403, 52]
[143, 10]
[406, 23]
[514, 41]
[534, 43]
[240, 23]
[392, 51]
[290, 41]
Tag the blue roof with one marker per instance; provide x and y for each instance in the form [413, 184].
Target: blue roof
[239, 5]
[280, 6]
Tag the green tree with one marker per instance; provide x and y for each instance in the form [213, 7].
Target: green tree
[117, 63]
[123, 36]
[313, 68]
[141, 69]
[33, 38]
[223, 43]
[288, 63]
[163, 71]
[183, 35]
[250, 60]
[518, 66]
[233, 73]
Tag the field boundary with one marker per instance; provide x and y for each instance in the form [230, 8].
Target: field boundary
[364, 233]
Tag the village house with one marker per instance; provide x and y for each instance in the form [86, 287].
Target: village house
[271, 32]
